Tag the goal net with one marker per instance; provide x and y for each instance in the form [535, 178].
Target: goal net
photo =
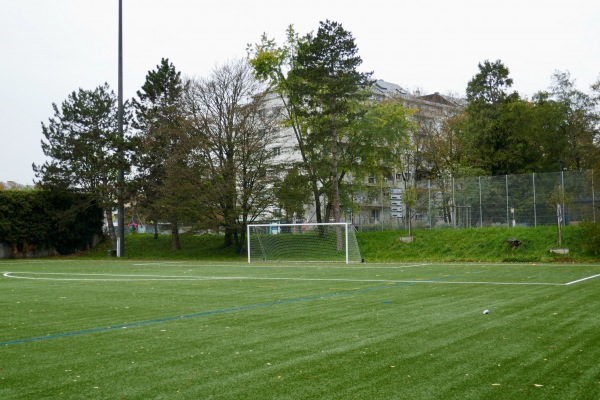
[335, 242]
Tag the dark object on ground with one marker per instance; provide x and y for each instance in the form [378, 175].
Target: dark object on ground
[513, 243]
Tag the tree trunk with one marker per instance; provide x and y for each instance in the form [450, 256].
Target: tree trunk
[408, 212]
[334, 171]
[242, 241]
[229, 200]
[228, 238]
[111, 228]
[317, 196]
[175, 245]
[237, 242]
[336, 186]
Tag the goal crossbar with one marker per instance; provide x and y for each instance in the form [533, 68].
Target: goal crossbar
[328, 241]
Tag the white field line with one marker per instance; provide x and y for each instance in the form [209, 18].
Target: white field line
[582, 279]
[135, 277]
[315, 265]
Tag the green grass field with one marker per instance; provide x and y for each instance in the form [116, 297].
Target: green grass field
[115, 329]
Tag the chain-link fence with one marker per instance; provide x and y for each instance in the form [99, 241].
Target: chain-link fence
[510, 200]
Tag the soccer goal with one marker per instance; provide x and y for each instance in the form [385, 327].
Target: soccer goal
[334, 242]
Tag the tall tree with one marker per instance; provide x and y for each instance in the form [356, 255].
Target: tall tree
[579, 124]
[81, 142]
[546, 126]
[301, 72]
[493, 127]
[377, 142]
[504, 134]
[272, 64]
[235, 127]
[164, 186]
[326, 84]
[490, 85]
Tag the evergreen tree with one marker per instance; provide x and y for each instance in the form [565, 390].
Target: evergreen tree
[495, 127]
[164, 184]
[82, 143]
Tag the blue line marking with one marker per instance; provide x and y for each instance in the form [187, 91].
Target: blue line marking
[205, 313]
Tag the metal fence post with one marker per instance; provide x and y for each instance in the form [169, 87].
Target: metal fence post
[429, 202]
[480, 205]
[453, 206]
[507, 214]
[593, 198]
[534, 202]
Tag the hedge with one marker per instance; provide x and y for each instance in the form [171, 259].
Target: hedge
[66, 221]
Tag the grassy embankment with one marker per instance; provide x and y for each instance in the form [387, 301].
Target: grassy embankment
[475, 244]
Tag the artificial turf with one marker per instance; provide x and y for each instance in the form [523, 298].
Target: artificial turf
[114, 329]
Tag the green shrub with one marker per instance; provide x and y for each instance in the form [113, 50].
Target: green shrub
[591, 232]
[37, 219]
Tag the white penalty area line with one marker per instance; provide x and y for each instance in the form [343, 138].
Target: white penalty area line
[299, 265]
[64, 276]
[68, 276]
[582, 279]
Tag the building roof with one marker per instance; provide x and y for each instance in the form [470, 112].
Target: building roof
[388, 89]
[382, 88]
[436, 98]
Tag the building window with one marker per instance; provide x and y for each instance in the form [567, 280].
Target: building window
[375, 215]
[276, 151]
[404, 176]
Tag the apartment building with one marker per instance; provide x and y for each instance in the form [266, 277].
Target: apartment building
[381, 201]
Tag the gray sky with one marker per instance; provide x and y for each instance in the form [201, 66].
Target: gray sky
[50, 48]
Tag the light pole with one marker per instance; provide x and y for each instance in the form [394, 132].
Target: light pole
[121, 173]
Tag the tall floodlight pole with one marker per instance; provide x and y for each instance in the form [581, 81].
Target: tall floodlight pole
[121, 173]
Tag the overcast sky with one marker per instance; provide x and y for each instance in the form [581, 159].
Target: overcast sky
[50, 48]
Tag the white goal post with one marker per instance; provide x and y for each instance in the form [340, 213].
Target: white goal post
[333, 242]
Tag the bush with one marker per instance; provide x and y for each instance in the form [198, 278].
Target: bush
[591, 233]
[37, 219]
